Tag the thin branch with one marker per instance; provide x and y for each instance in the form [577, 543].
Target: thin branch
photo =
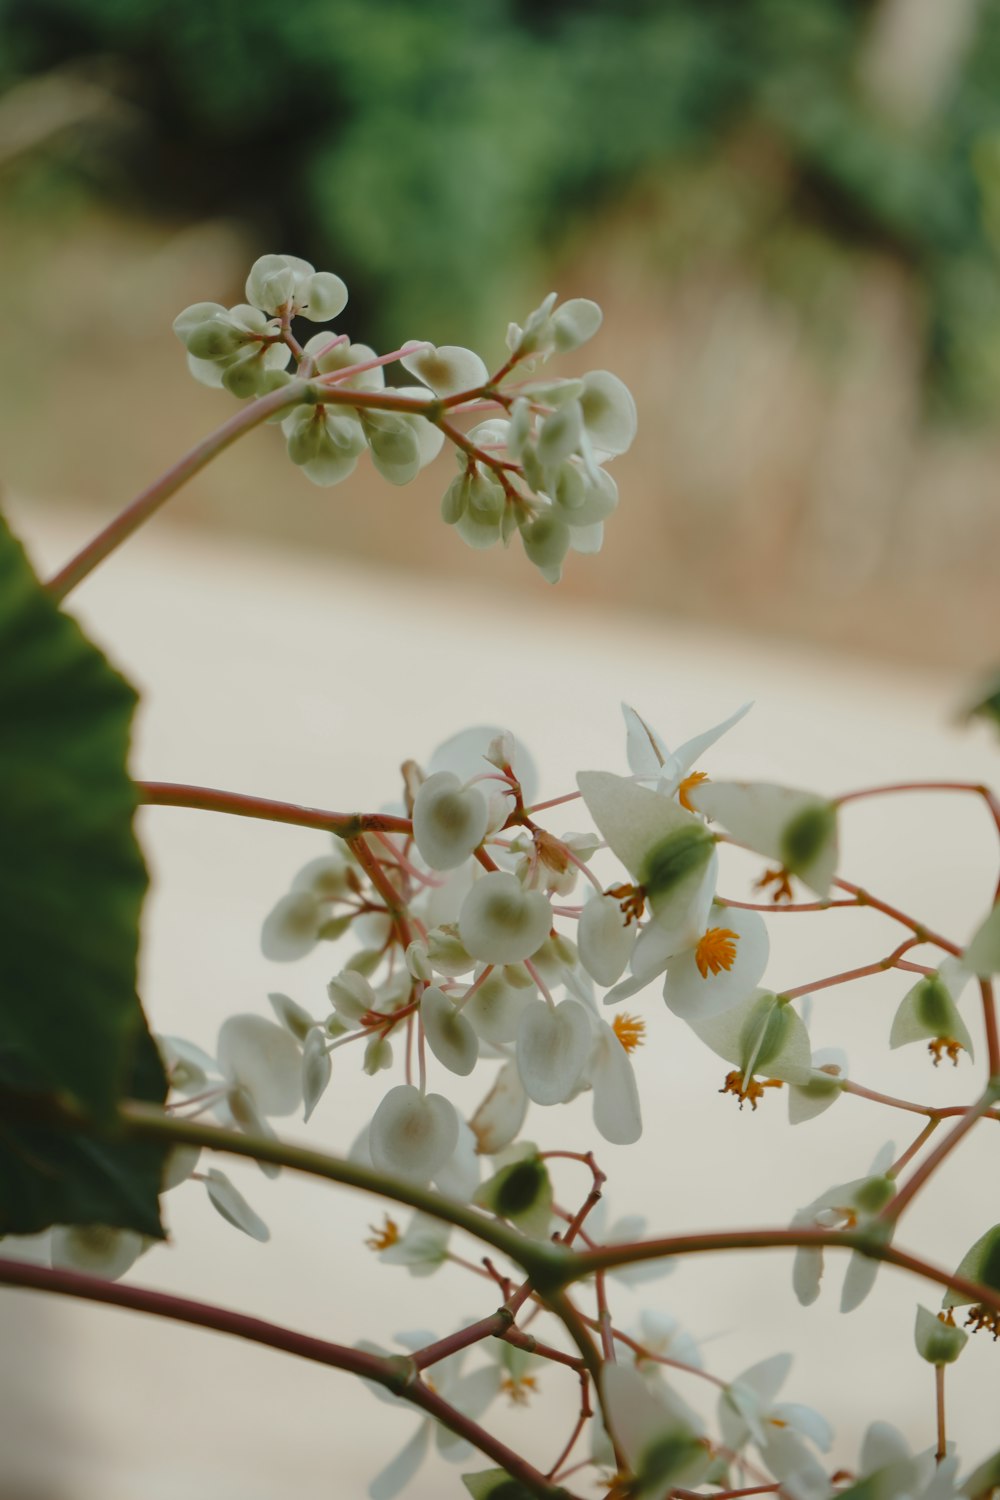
[149, 501]
[397, 1375]
[208, 799]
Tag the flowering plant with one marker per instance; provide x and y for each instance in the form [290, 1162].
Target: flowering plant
[473, 936]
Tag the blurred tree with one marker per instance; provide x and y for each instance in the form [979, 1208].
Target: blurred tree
[433, 151]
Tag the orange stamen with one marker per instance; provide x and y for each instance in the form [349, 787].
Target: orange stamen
[631, 899]
[630, 1030]
[780, 880]
[944, 1045]
[382, 1238]
[519, 1389]
[687, 785]
[716, 950]
[750, 1088]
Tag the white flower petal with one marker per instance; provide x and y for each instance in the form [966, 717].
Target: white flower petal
[460, 1175]
[316, 1069]
[693, 749]
[95, 1249]
[233, 1207]
[617, 1113]
[552, 1048]
[687, 992]
[982, 956]
[447, 369]
[647, 754]
[262, 1060]
[608, 412]
[394, 1478]
[858, 1281]
[604, 939]
[449, 820]
[412, 1135]
[799, 829]
[502, 923]
[807, 1273]
[291, 929]
[496, 1008]
[449, 1035]
[499, 1118]
[466, 754]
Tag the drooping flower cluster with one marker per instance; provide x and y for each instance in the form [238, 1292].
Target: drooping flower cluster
[534, 466]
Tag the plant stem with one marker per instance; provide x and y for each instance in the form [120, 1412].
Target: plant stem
[941, 1452]
[894, 1208]
[149, 501]
[880, 967]
[388, 1372]
[207, 799]
[923, 934]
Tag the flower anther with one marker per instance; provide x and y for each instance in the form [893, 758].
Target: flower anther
[748, 1088]
[519, 1388]
[944, 1046]
[631, 899]
[716, 950]
[381, 1239]
[688, 785]
[781, 881]
[984, 1317]
[630, 1030]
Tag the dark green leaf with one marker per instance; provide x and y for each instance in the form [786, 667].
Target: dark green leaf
[72, 881]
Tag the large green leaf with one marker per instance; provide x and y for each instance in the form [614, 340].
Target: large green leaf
[72, 881]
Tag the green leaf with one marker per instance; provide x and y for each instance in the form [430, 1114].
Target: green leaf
[495, 1484]
[53, 1174]
[72, 880]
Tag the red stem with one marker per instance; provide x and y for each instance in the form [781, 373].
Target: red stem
[391, 1373]
[208, 799]
[149, 501]
[880, 967]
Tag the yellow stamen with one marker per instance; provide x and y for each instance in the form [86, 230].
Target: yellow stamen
[944, 1045]
[382, 1238]
[750, 1088]
[630, 1030]
[717, 950]
[519, 1388]
[687, 785]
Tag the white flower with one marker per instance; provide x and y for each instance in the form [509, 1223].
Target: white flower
[821, 1089]
[928, 1013]
[798, 829]
[669, 852]
[748, 1411]
[449, 820]
[849, 1205]
[95, 1249]
[262, 1066]
[500, 922]
[662, 1450]
[650, 760]
[412, 1135]
[553, 1046]
[888, 1470]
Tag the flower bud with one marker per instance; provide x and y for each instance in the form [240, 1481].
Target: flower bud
[322, 297]
[500, 922]
[938, 1341]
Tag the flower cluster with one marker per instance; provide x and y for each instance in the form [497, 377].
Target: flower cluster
[531, 463]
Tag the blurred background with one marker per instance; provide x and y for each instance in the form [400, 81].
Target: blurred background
[789, 210]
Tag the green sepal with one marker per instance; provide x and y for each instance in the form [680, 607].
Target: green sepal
[938, 1342]
[521, 1193]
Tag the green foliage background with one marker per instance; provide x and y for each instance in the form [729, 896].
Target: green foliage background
[436, 148]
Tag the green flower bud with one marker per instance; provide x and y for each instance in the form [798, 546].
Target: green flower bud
[215, 339]
[455, 501]
[395, 447]
[277, 280]
[479, 524]
[937, 1339]
[546, 541]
